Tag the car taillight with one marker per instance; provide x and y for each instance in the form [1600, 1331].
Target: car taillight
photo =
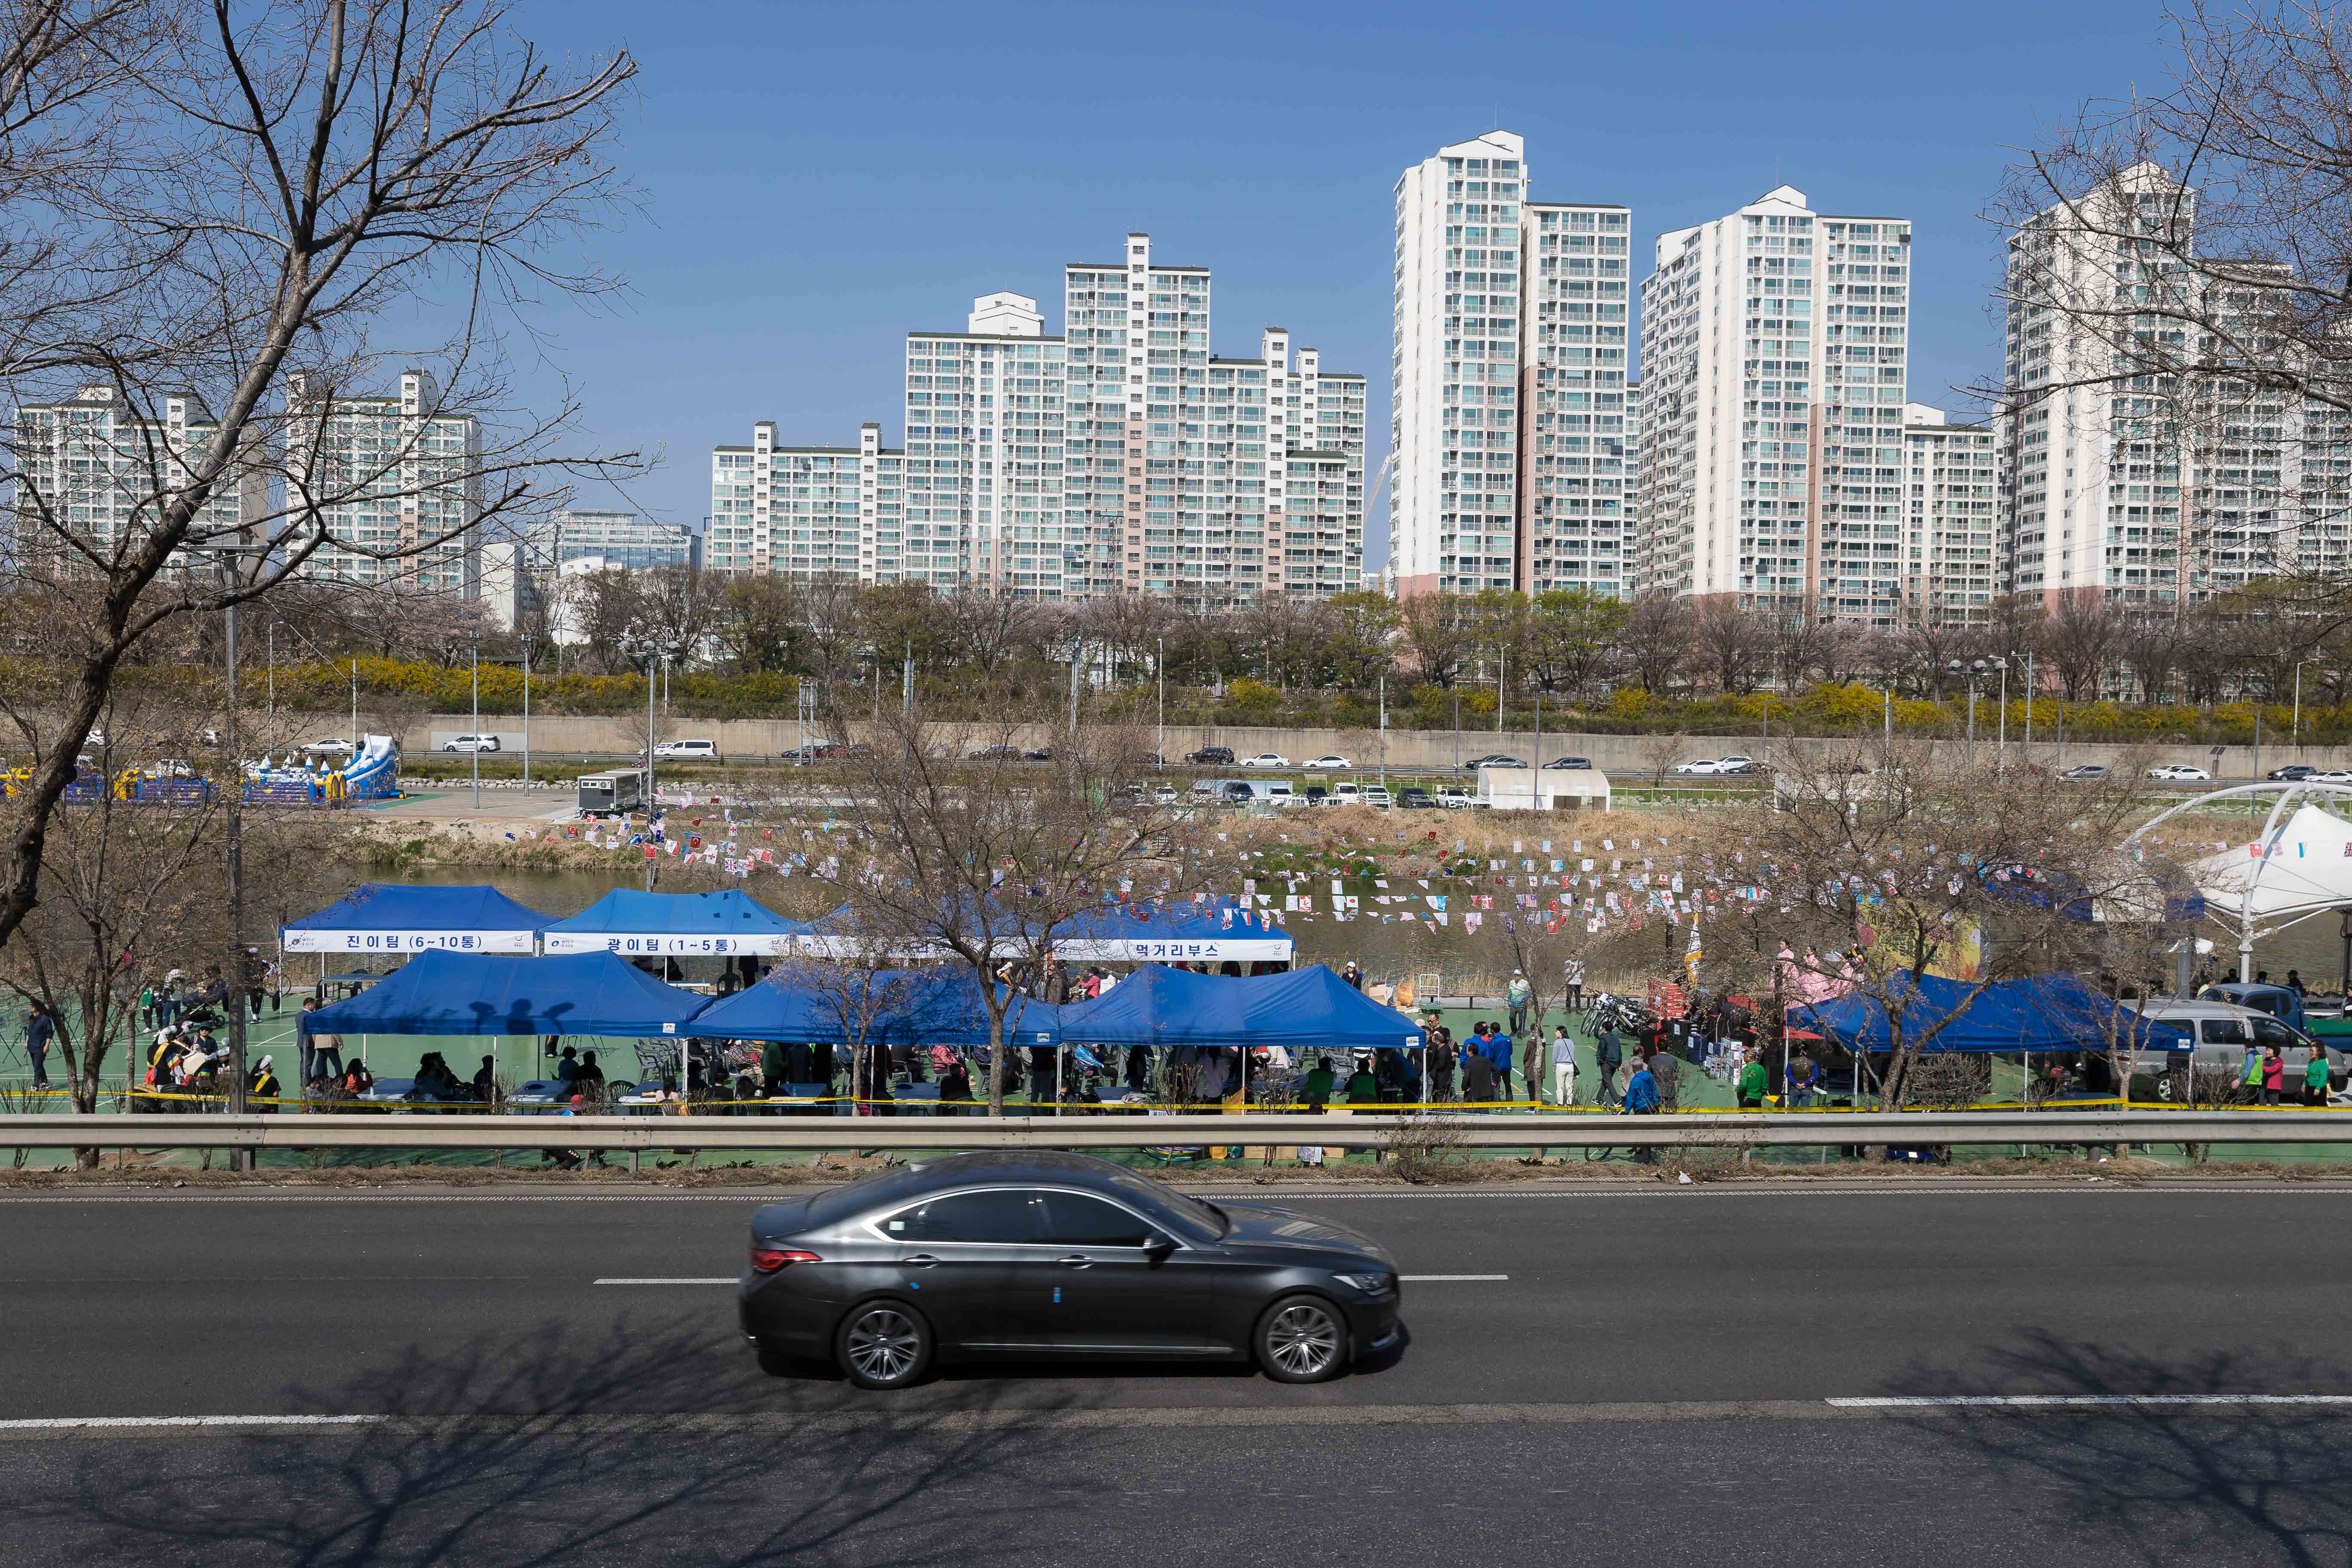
[768, 1260]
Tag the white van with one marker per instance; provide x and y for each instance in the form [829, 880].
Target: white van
[687, 751]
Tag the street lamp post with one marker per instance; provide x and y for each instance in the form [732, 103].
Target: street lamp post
[1160, 668]
[477, 729]
[2298, 702]
[2000, 752]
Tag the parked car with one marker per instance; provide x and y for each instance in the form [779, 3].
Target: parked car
[1220, 755]
[2186, 773]
[1413, 798]
[2293, 772]
[1583, 762]
[1346, 792]
[1155, 759]
[1699, 765]
[1328, 764]
[1453, 796]
[1316, 795]
[1264, 760]
[1492, 760]
[2087, 771]
[1377, 797]
[1164, 795]
[1039, 754]
[316, 748]
[1237, 791]
[687, 751]
[472, 743]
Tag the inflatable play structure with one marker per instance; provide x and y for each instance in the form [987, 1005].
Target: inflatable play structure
[373, 773]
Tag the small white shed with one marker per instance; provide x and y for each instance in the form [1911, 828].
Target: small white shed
[1543, 789]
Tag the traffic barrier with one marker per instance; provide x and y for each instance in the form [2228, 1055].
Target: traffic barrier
[1118, 1128]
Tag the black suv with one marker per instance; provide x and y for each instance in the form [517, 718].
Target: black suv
[1212, 754]
[1413, 798]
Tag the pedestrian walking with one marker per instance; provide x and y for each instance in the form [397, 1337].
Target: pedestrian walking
[1519, 995]
[1439, 1042]
[1608, 1051]
[1498, 1046]
[1754, 1082]
[1563, 1067]
[2273, 1076]
[1573, 984]
[2314, 1077]
[39, 1030]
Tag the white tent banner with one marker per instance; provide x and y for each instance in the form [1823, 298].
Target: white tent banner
[1172, 950]
[667, 945]
[300, 938]
[2303, 868]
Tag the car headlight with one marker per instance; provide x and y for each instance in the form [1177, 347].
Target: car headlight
[1374, 1285]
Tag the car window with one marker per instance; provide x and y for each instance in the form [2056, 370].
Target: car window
[2220, 1032]
[1003, 1214]
[1076, 1219]
[2271, 1032]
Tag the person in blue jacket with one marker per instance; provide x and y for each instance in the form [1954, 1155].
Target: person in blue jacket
[1498, 1050]
[1642, 1100]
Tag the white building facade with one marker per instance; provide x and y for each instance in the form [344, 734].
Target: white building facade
[1118, 456]
[1954, 566]
[98, 470]
[395, 482]
[1775, 349]
[624, 538]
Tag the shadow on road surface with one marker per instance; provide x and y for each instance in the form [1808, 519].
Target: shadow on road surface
[2174, 1483]
[544, 1447]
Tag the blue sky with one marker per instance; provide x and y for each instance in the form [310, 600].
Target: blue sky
[818, 180]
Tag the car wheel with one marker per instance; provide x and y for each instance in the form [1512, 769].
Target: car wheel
[1301, 1339]
[773, 1361]
[883, 1344]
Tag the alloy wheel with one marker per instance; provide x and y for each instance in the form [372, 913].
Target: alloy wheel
[884, 1345]
[1303, 1340]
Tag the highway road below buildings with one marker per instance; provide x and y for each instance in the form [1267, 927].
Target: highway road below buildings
[1649, 1375]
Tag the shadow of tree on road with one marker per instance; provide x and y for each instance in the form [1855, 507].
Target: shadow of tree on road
[2173, 1483]
[547, 1446]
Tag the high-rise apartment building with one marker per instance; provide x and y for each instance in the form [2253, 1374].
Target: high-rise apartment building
[1952, 526]
[622, 538]
[1120, 456]
[1774, 353]
[806, 511]
[1507, 421]
[393, 479]
[95, 469]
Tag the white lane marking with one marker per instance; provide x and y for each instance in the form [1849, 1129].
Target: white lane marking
[728, 1280]
[1412, 1278]
[2079, 1400]
[69, 1423]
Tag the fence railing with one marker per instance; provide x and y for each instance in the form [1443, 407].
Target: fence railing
[1736, 1129]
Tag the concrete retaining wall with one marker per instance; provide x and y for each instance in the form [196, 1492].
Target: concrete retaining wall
[1630, 758]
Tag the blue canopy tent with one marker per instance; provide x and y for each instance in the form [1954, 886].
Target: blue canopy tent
[393, 916]
[465, 994]
[669, 925]
[2043, 1012]
[1173, 933]
[913, 1007]
[1304, 1010]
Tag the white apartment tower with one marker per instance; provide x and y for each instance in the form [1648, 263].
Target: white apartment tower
[1508, 417]
[1774, 350]
[805, 511]
[1454, 419]
[1118, 456]
[1951, 520]
[395, 481]
[93, 469]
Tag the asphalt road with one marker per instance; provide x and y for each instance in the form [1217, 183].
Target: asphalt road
[1651, 1381]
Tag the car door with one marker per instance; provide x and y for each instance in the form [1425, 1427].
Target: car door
[1106, 1280]
[956, 1254]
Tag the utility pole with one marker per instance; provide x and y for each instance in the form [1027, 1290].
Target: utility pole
[1384, 728]
[354, 736]
[233, 975]
[526, 719]
[653, 800]
[478, 727]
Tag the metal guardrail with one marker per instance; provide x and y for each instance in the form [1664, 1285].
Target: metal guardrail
[1113, 1130]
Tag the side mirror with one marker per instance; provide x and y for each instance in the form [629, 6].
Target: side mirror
[1157, 1246]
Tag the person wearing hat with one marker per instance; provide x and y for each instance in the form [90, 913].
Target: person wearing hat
[262, 1090]
[1353, 975]
[1519, 995]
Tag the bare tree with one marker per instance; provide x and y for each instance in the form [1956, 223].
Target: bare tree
[2084, 637]
[988, 861]
[1730, 644]
[279, 182]
[1440, 633]
[1657, 641]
